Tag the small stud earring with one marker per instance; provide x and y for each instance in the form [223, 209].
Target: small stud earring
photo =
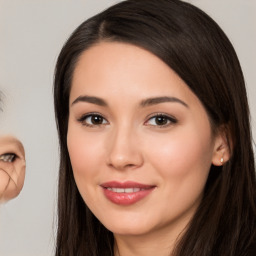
[222, 160]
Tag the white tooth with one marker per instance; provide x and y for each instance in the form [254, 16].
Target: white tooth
[136, 189]
[120, 190]
[114, 189]
[128, 190]
[109, 189]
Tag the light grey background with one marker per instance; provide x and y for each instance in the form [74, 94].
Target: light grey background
[32, 33]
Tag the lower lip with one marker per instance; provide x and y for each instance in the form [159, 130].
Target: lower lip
[126, 198]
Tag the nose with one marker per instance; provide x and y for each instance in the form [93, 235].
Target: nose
[124, 150]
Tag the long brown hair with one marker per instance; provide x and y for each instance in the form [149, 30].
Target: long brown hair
[195, 47]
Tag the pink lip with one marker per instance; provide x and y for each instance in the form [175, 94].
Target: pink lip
[125, 198]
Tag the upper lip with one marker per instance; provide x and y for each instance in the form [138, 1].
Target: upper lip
[126, 184]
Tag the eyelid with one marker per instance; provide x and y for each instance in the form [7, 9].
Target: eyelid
[8, 157]
[170, 118]
[11, 146]
[82, 118]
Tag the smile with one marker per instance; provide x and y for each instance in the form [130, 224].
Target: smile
[125, 190]
[126, 193]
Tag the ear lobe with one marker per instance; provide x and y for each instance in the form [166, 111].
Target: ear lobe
[12, 169]
[222, 148]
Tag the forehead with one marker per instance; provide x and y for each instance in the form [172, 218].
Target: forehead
[126, 73]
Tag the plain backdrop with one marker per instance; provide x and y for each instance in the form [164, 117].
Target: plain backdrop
[32, 33]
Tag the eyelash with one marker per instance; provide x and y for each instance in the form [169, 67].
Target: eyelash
[8, 157]
[83, 118]
[167, 118]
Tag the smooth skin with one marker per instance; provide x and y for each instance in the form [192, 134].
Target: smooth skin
[115, 133]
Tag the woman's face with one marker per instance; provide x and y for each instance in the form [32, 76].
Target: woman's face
[139, 140]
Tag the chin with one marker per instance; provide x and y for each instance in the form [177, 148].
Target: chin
[129, 231]
[129, 228]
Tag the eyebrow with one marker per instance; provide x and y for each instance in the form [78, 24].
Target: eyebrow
[143, 103]
[158, 100]
[90, 99]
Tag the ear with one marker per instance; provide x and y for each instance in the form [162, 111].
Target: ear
[222, 147]
[12, 167]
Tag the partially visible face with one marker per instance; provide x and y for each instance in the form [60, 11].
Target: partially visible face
[12, 167]
[139, 140]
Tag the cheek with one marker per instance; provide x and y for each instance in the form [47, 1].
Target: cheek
[185, 153]
[4, 180]
[8, 188]
[85, 151]
[82, 153]
[183, 162]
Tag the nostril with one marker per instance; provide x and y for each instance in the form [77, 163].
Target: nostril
[130, 165]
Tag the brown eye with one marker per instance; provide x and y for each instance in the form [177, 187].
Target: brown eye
[93, 120]
[8, 157]
[161, 120]
[96, 120]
